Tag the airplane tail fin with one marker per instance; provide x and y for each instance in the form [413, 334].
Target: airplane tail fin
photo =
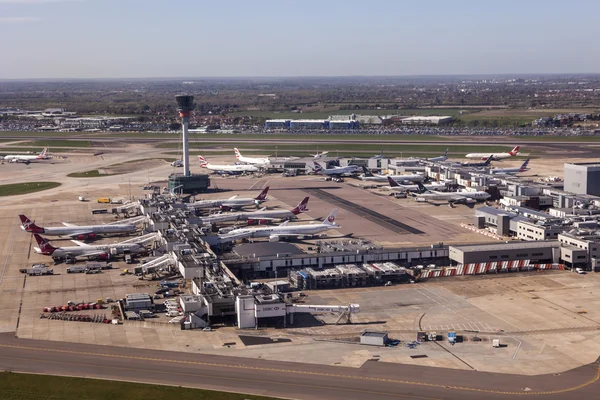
[446, 152]
[202, 161]
[45, 246]
[330, 220]
[514, 151]
[524, 166]
[300, 208]
[422, 189]
[263, 195]
[44, 153]
[488, 160]
[237, 153]
[366, 171]
[392, 182]
[29, 226]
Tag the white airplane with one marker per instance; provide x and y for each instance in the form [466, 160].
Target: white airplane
[394, 186]
[26, 158]
[451, 197]
[495, 156]
[440, 158]
[274, 233]
[103, 251]
[83, 232]
[259, 217]
[368, 176]
[320, 155]
[229, 169]
[232, 202]
[335, 171]
[511, 171]
[251, 160]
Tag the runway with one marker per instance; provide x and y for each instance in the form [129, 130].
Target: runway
[374, 380]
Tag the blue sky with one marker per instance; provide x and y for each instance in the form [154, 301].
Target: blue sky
[175, 38]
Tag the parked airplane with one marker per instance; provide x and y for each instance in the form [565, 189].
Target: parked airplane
[440, 158]
[225, 168]
[232, 202]
[451, 197]
[487, 162]
[27, 158]
[258, 217]
[495, 156]
[511, 171]
[369, 176]
[86, 250]
[274, 233]
[335, 171]
[394, 186]
[250, 160]
[83, 232]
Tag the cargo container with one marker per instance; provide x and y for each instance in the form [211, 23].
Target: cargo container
[496, 342]
[105, 200]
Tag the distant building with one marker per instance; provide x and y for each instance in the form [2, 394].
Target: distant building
[431, 120]
[582, 178]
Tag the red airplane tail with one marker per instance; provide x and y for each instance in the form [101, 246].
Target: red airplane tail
[45, 246]
[514, 151]
[302, 207]
[30, 226]
[263, 195]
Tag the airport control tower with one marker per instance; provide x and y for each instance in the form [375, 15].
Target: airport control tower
[185, 104]
[187, 182]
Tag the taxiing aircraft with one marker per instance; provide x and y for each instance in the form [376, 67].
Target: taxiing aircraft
[225, 168]
[232, 202]
[511, 171]
[495, 156]
[335, 171]
[27, 158]
[451, 197]
[320, 155]
[394, 186]
[274, 233]
[487, 162]
[251, 160]
[86, 250]
[81, 232]
[440, 158]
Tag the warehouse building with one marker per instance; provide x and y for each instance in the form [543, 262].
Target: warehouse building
[582, 178]
[536, 252]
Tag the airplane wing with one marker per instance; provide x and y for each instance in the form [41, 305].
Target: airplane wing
[68, 224]
[232, 197]
[284, 223]
[138, 239]
[81, 244]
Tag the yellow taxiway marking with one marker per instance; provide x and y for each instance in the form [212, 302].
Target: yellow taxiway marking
[300, 372]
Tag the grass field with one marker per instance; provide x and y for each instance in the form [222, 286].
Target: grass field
[60, 143]
[325, 114]
[33, 150]
[264, 147]
[25, 386]
[14, 189]
[94, 173]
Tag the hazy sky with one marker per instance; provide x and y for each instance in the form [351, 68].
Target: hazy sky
[174, 38]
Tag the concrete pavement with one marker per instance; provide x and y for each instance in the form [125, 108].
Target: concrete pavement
[374, 380]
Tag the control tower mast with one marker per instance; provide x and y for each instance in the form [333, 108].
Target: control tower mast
[185, 104]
